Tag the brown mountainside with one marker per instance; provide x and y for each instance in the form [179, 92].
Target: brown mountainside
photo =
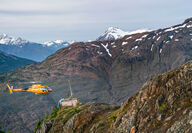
[163, 105]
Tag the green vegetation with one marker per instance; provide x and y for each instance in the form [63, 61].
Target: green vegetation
[113, 117]
[54, 113]
[1, 130]
[38, 125]
[67, 112]
[40, 122]
[162, 107]
[61, 113]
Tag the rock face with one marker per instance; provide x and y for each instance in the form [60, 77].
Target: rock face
[163, 104]
[10, 62]
[108, 71]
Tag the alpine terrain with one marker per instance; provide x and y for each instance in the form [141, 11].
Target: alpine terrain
[107, 71]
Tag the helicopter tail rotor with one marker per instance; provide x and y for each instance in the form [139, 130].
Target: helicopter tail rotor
[10, 89]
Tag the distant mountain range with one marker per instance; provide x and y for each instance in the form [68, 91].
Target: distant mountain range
[40, 51]
[30, 50]
[10, 62]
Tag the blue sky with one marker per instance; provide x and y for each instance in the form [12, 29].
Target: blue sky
[81, 20]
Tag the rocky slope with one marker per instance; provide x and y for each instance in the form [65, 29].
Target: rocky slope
[163, 104]
[30, 50]
[10, 62]
[108, 71]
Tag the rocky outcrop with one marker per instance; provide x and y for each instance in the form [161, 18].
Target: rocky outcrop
[76, 119]
[163, 104]
[45, 127]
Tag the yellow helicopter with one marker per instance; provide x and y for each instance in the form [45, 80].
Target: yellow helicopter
[35, 88]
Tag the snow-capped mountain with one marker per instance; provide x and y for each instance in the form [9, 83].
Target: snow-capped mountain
[113, 33]
[30, 50]
[56, 43]
[7, 40]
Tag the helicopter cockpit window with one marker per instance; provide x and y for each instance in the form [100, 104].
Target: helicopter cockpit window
[25, 88]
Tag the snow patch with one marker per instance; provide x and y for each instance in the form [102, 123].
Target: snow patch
[112, 43]
[160, 50]
[95, 45]
[167, 41]
[99, 52]
[152, 47]
[129, 38]
[140, 39]
[175, 28]
[158, 38]
[123, 43]
[138, 31]
[171, 36]
[107, 50]
[134, 48]
[189, 26]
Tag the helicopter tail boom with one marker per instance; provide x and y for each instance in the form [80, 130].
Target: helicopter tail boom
[10, 89]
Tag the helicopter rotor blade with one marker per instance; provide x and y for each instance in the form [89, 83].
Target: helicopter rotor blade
[32, 82]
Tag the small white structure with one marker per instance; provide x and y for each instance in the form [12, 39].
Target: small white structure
[70, 102]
